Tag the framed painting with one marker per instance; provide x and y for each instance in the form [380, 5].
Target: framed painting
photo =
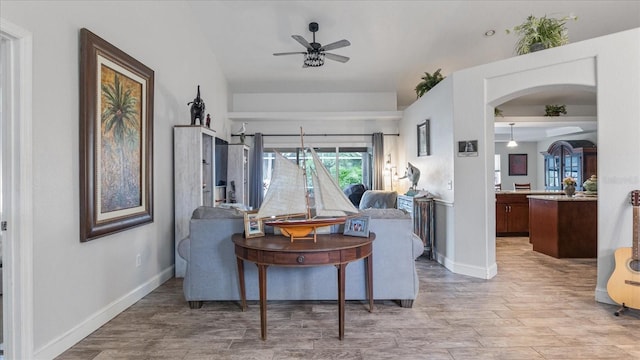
[116, 139]
[253, 227]
[358, 226]
[423, 138]
[517, 164]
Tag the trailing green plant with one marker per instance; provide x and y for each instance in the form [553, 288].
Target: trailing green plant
[497, 112]
[428, 82]
[555, 110]
[547, 31]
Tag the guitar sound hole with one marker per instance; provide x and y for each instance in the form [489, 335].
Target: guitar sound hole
[634, 265]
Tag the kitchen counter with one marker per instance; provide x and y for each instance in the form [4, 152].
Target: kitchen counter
[530, 192]
[512, 211]
[577, 197]
[564, 227]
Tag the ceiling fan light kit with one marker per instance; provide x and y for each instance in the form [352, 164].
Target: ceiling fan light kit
[316, 53]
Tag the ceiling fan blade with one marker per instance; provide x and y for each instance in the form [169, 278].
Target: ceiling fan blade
[335, 45]
[302, 41]
[289, 53]
[335, 57]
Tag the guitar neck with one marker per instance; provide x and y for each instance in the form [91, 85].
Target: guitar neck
[635, 253]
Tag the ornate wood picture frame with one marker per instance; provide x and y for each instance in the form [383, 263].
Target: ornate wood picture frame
[116, 139]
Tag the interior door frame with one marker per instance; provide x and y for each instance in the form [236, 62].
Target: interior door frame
[17, 191]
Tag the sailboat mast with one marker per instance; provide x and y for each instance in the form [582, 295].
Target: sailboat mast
[304, 171]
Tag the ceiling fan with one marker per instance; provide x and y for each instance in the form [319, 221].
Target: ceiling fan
[315, 54]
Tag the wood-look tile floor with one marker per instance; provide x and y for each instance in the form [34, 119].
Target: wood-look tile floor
[537, 307]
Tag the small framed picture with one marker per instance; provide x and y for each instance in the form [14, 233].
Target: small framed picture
[253, 226]
[517, 164]
[358, 226]
[423, 138]
[468, 148]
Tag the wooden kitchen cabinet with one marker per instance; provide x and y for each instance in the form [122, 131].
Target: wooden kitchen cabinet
[512, 214]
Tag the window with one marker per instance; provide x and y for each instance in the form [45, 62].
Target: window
[346, 165]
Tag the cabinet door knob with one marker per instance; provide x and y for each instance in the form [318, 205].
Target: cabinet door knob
[300, 259]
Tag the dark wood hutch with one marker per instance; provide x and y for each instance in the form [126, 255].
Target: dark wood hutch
[575, 158]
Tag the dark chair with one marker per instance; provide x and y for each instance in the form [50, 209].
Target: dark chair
[354, 193]
[517, 186]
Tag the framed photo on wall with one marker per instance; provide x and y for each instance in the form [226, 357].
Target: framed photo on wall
[423, 139]
[517, 164]
[468, 148]
[116, 139]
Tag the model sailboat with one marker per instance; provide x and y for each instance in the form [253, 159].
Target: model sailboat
[286, 202]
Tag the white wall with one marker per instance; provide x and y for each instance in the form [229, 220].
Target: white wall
[613, 64]
[316, 102]
[533, 159]
[79, 286]
[436, 170]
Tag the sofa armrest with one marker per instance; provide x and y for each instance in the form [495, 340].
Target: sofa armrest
[418, 246]
[184, 248]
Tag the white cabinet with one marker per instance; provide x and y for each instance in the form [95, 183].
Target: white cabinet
[238, 172]
[194, 179]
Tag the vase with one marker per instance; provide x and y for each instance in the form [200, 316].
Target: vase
[591, 185]
[569, 190]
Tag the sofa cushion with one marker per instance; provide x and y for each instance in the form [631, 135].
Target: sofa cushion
[374, 213]
[379, 199]
[208, 212]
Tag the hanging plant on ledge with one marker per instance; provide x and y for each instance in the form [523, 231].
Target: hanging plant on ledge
[428, 82]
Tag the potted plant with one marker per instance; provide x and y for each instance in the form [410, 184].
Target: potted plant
[555, 110]
[541, 33]
[497, 112]
[428, 82]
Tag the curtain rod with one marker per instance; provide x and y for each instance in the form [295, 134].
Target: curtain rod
[317, 134]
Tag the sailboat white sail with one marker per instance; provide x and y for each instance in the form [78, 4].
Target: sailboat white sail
[287, 192]
[329, 199]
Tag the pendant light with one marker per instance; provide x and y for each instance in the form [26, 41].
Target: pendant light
[512, 143]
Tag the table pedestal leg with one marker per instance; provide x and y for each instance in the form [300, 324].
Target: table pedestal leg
[243, 294]
[262, 279]
[369, 280]
[341, 295]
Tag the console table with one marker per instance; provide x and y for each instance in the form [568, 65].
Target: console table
[277, 250]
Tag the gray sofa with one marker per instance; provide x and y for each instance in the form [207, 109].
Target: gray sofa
[211, 273]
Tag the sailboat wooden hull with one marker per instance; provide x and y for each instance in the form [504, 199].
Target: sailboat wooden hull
[300, 229]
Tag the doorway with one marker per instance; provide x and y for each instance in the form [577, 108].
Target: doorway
[16, 209]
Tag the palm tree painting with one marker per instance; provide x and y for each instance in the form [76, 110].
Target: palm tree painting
[121, 139]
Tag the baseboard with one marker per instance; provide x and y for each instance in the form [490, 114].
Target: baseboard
[101, 317]
[603, 296]
[468, 270]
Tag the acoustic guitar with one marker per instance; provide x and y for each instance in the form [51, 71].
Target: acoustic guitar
[624, 284]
